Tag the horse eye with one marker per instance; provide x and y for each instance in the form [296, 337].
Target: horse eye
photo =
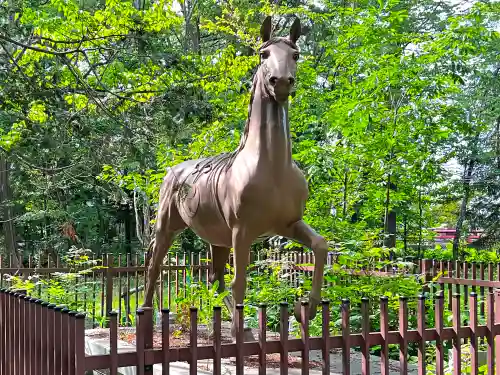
[264, 54]
[295, 56]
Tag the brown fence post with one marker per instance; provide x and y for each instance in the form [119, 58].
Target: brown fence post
[365, 332]
[262, 340]
[51, 337]
[80, 344]
[283, 338]
[438, 318]
[497, 338]
[384, 332]
[148, 338]
[421, 332]
[325, 333]
[165, 341]
[403, 332]
[109, 283]
[2, 330]
[457, 353]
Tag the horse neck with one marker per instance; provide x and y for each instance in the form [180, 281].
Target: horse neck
[268, 135]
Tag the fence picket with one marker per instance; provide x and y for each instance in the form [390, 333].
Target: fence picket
[438, 318]
[239, 320]
[365, 332]
[403, 331]
[65, 333]
[421, 333]
[325, 347]
[481, 289]
[473, 328]
[284, 338]
[113, 342]
[51, 337]
[217, 323]
[165, 340]
[72, 342]
[450, 286]
[496, 314]
[193, 341]
[139, 341]
[466, 288]
[457, 355]
[304, 317]
[490, 321]
[384, 332]
[80, 344]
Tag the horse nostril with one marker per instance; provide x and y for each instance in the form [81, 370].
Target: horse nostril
[291, 80]
[273, 80]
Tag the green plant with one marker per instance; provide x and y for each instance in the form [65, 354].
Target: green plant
[201, 296]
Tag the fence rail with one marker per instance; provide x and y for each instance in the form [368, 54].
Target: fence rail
[39, 338]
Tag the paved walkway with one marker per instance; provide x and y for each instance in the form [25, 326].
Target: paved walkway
[205, 366]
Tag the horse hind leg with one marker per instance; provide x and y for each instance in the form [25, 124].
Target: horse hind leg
[168, 224]
[220, 256]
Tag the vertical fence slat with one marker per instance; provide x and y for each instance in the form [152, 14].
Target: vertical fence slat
[45, 334]
[64, 333]
[139, 341]
[193, 341]
[481, 289]
[450, 286]
[403, 331]
[165, 340]
[28, 321]
[51, 337]
[59, 340]
[438, 318]
[384, 331]
[72, 342]
[239, 321]
[473, 328]
[262, 338]
[217, 323]
[496, 313]
[113, 342]
[147, 328]
[421, 332]
[304, 317]
[466, 288]
[490, 339]
[365, 332]
[457, 355]
[325, 330]
[80, 344]
[283, 338]
[3, 318]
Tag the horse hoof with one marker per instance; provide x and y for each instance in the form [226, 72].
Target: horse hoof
[297, 311]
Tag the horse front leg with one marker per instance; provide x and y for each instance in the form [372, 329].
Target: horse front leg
[241, 245]
[303, 233]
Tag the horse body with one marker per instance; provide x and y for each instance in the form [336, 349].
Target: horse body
[238, 198]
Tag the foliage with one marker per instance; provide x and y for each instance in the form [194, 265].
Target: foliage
[201, 296]
[61, 288]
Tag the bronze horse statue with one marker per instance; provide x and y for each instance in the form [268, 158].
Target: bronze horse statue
[238, 198]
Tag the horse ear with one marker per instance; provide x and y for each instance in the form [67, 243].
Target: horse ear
[295, 30]
[265, 29]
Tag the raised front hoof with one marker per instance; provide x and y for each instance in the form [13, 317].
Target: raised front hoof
[297, 311]
[247, 334]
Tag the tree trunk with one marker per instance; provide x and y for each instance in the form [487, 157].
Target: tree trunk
[390, 224]
[463, 207]
[9, 229]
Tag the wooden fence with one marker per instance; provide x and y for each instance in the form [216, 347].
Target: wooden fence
[116, 283]
[39, 338]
